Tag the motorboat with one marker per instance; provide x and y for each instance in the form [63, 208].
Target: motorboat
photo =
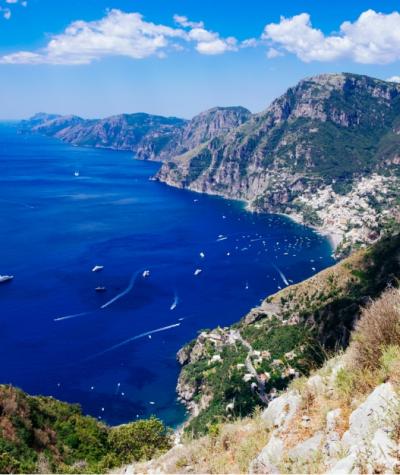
[97, 268]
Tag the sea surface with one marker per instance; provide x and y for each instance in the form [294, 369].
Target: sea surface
[65, 209]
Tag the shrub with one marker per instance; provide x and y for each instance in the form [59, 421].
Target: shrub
[377, 329]
[139, 440]
[390, 364]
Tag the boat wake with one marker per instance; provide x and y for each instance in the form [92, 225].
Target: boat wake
[175, 302]
[107, 304]
[282, 275]
[136, 337]
[126, 291]
[75, 315]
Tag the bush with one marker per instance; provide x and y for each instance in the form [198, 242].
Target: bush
[139, 440]
[390, 364]
[377, 329]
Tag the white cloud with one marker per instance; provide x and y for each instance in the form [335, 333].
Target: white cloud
[210, 43]
[118, 33]
[273, 53]
[393, 79]
[186, 23]
[122, 34]
[372, 38]
[6, 13]
[250, 43]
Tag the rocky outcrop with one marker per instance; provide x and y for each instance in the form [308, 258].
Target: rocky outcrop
[368, 446]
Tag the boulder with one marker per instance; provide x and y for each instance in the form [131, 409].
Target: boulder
[307, 449]
[281, 410]
[269, 457]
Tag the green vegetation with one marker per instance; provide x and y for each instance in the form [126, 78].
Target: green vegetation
[313, 319]
[198, 164]
[227, 384]
[41, 434]
[309, 214]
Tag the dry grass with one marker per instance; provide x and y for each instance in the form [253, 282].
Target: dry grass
[344, 382]
[229, 450]
[378, 328]
[338, 276]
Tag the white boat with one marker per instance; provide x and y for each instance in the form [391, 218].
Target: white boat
[202, 255]
[97, 268]
[197, 271]
[146, 273]
[76, 173]
[100, 289]
[6, 278]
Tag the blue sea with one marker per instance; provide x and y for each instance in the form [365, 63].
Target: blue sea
[64, 210]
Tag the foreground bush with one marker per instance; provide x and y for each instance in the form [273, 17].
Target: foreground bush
[377, 329]
[139, 440]
[41, 434]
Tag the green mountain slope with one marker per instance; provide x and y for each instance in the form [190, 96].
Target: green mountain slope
[228, 372]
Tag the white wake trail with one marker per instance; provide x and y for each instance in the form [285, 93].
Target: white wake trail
[175, 302]
[67, 317]
[117, 297]
[127, 290]
[136, 337]
[286, 282]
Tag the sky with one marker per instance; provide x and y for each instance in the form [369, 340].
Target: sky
[96, 58]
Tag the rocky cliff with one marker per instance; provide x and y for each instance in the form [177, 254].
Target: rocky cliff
[320, 138]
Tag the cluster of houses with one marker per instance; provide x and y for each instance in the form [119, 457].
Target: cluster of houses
[353, 218]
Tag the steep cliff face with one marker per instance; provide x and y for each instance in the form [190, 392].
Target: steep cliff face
[202, 128]
[327, 128]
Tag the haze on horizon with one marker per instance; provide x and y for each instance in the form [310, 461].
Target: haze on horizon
[105, 57]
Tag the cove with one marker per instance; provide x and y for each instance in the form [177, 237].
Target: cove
[175, 262]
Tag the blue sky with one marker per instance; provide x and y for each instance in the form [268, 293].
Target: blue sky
[178, 57]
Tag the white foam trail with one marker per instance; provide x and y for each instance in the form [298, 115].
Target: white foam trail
[136, 337]
[75, 315]
[285, 281]
[127, 290]
[174, 303]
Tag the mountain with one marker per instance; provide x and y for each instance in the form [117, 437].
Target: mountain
[329, 137]
[327, 153]
[202, 128]
[133, 132]
[150, 137]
